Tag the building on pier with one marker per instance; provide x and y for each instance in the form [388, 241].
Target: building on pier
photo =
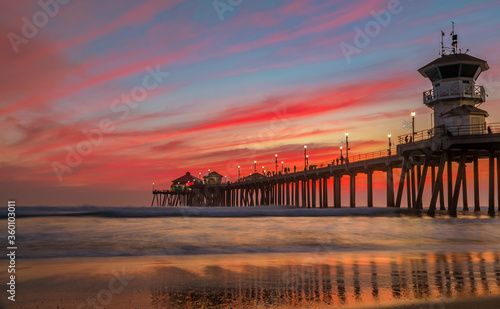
[454, 96]
[184, 183]
[212, 178]
[254, 176]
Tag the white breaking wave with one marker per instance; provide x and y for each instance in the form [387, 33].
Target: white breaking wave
[202, 212]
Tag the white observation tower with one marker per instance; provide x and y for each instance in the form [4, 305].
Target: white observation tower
[455, 96]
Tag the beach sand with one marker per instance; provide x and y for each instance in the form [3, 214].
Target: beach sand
[304, 280]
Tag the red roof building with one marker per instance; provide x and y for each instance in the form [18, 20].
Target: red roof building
[184, 182]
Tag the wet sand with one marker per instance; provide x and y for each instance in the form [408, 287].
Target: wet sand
[314, 280]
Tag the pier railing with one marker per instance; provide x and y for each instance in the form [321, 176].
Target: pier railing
[455, 90]
[351, 159]
[355, 158]
[372, 155]
[418, 136]
[462, 130]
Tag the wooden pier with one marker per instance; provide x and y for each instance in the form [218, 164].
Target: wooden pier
[460, 137]
[415, 162]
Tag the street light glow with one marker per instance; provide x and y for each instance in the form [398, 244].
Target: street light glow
[346, 133]
[413, 114]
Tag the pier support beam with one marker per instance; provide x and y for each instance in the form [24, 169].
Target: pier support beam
[369, 188]
[413, 188]
[452, 209]
[304, 194]
[352, 190]
[465, 202]
[313, 192]
[325, 192]
[441, 195]
[337, 189]
[297, 193]
[279, 193]
[449, 175]
[320, 190]
[404, 173]
[491, 183]
[390, 187]
[287, 184]
[498, 181]
[439, 181]
[422, 177]
[476, 184]
[419, 174]
[408, 189]
[308, 193]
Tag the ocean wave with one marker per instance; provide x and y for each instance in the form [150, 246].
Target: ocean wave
[202, 212]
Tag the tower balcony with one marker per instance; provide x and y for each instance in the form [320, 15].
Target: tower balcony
[455, 91]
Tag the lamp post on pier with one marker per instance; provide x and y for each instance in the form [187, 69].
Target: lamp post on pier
[276, 163]
[239, 172]
[305, 156]
[282, 170]
[255, 166]
[413, 126]
[389, 135]
[347, 146]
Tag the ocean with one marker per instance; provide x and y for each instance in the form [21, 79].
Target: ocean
[254, 257]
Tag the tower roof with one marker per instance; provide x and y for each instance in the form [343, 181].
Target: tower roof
[454, 59]
[186, 178]
[212, 174]
[465, 110]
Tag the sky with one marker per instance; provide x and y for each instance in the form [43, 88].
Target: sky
[101, 99]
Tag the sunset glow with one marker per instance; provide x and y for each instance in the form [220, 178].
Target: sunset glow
[106, 98]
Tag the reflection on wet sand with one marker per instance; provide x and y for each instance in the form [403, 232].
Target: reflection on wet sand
[349, 281]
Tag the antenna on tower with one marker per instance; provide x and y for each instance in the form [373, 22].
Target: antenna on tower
[454, 39]
[454, 42]
[443, 52]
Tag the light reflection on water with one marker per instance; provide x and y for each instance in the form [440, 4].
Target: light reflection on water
[261, 262]
[343, 281]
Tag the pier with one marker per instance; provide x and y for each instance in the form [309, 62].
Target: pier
[435, 156]
[459, 140]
